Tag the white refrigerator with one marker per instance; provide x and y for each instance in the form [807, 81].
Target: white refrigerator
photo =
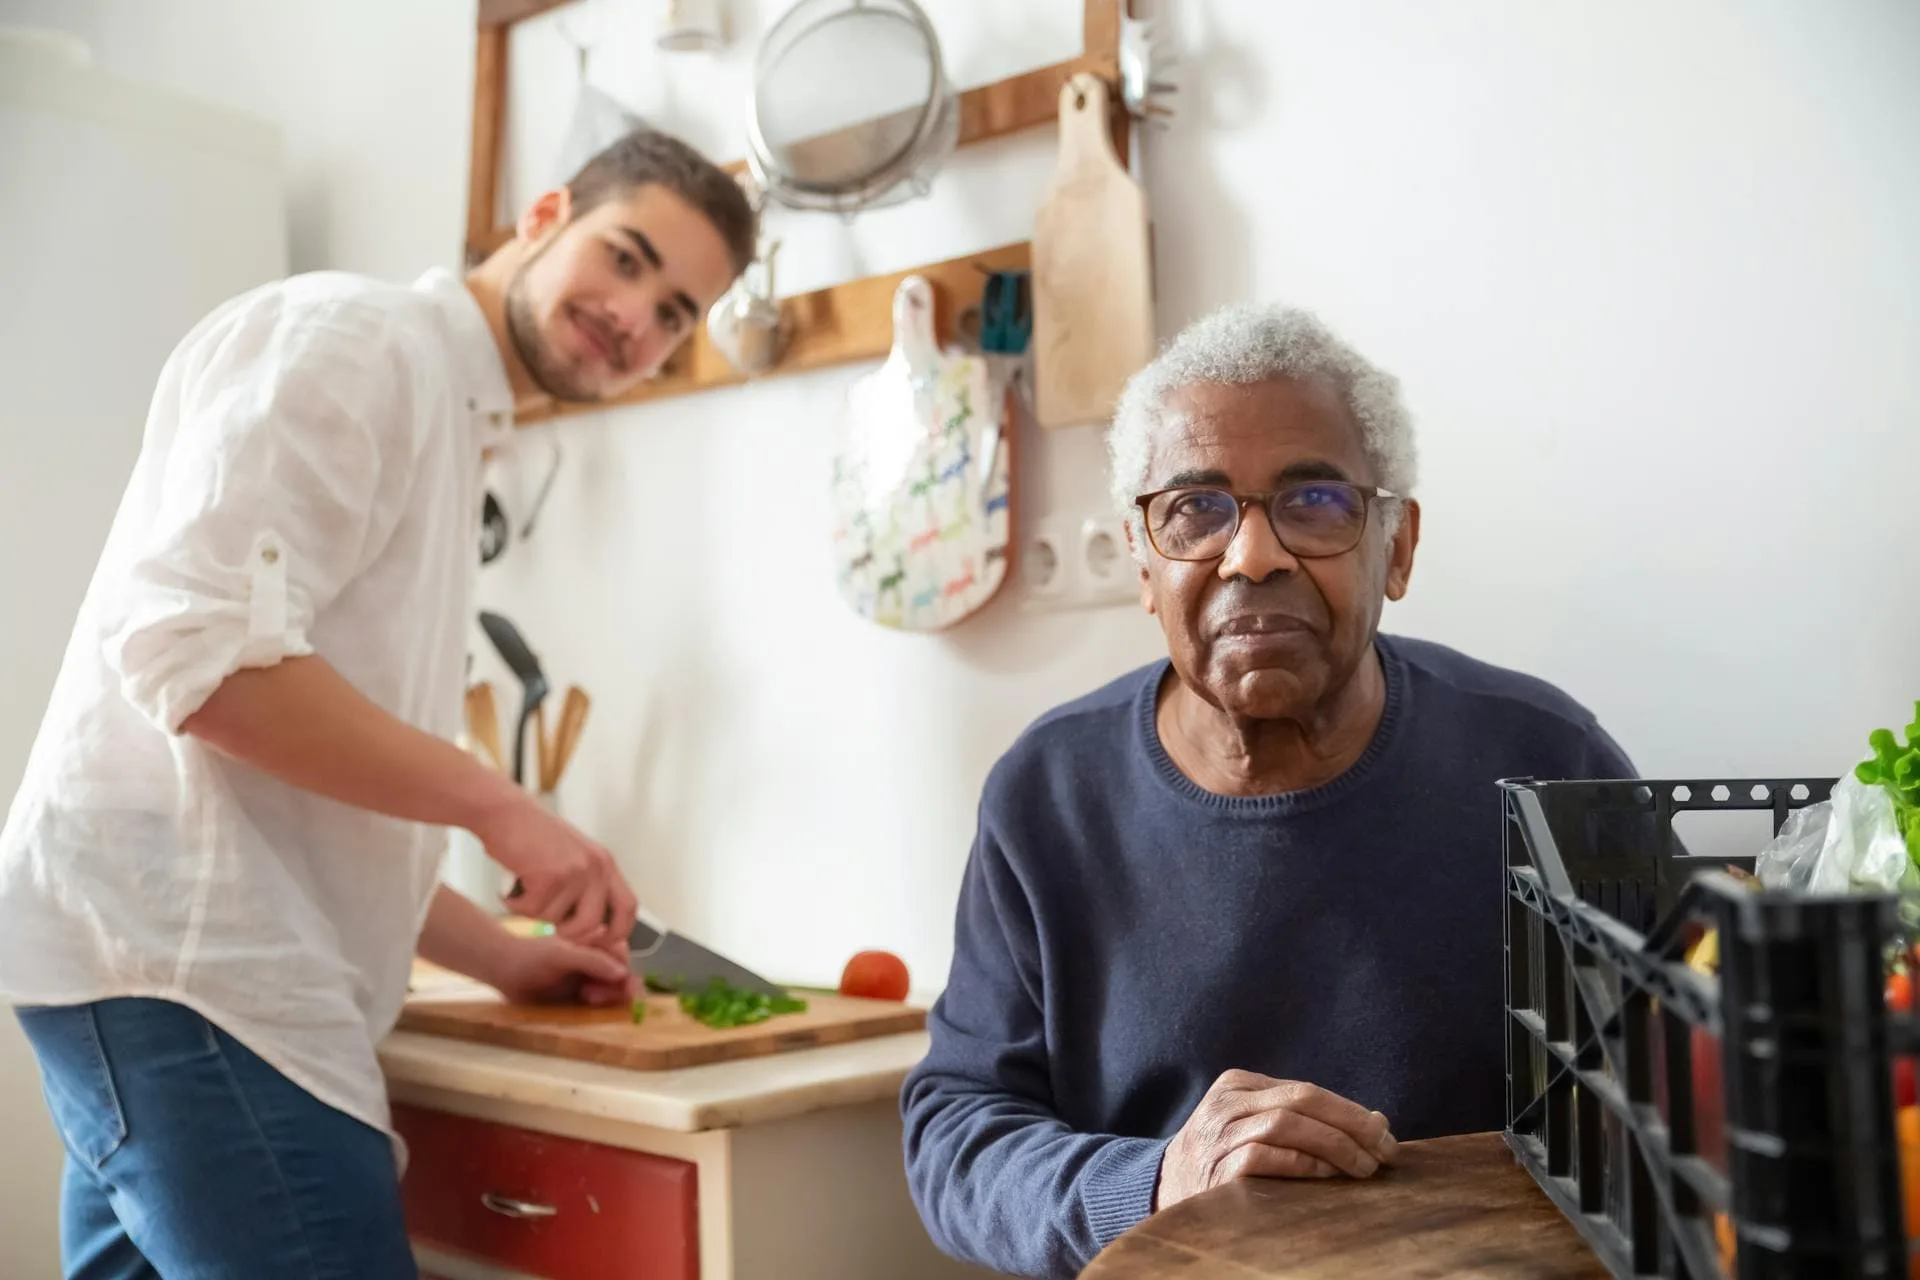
[126, 213]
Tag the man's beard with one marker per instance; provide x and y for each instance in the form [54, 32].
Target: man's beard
[547, 371]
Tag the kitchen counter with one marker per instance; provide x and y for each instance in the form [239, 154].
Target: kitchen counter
[724, 1095]
[793, 1160]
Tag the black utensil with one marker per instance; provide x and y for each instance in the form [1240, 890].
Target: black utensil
[513, 650]
[493, 529]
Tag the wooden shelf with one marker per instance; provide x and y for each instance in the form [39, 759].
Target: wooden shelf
[848, 322]
[840, 325]
[1025, 101]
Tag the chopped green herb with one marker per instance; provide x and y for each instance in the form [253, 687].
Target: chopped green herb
[639, 1011]
[725, 1005]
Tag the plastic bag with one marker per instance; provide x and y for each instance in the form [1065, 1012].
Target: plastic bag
[1787, 863]
[1850, 844]
[1864, 852]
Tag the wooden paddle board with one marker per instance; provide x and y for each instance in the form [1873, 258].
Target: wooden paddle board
[668, 1038]
[1092, 270]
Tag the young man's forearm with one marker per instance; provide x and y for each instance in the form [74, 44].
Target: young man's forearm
[459, 936]
[301, 722]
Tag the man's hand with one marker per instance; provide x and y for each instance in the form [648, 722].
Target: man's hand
[459, 936]
[555, 971]
[564, 877]
[1253, 1126]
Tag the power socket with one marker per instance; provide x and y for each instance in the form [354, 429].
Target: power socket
[1077, 562]
[1108, 569]
[1046, 564]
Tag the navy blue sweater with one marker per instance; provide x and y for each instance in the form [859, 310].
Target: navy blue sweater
[1124, 937]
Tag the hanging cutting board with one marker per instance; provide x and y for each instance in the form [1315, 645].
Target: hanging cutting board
[1092, 269]
[667, 1039]
[922, 479]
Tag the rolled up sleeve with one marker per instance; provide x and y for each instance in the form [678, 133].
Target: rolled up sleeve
[276, 491]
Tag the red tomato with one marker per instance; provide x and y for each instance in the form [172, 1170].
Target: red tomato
[1900, 992]
[875, 975]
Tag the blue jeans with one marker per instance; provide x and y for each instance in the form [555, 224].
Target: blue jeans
[188, 1156]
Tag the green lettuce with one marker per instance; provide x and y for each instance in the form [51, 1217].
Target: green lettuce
[1895, 768]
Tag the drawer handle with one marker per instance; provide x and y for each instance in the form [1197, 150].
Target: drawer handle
[507, 1207]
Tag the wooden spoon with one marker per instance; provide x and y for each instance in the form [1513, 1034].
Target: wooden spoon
[573, 718]
[483, 722]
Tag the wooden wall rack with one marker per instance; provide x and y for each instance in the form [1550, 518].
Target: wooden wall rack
[837, 325]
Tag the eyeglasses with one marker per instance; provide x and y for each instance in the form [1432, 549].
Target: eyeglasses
[1312, 520]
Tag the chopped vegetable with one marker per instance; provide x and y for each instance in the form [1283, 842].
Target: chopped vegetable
[875, 975]
[722, 1004]
[639, 1011]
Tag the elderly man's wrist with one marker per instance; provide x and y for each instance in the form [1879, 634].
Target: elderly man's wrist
[1119, 1189]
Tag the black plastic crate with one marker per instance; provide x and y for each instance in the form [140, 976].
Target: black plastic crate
[1603, 1020]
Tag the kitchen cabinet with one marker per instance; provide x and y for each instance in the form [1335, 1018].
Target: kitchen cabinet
[547, 1205]
[786, 1167]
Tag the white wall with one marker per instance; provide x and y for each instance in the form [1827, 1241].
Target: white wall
[98, 287]
[374, 99]
[1648, 272]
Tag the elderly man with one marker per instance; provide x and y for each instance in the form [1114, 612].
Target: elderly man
[1238, 913]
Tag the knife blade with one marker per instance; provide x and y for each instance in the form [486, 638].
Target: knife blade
[673, 957]
[677, 959]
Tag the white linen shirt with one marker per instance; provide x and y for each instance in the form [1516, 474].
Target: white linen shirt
[308, 484]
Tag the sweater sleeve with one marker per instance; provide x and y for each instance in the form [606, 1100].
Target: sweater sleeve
[999, 1178]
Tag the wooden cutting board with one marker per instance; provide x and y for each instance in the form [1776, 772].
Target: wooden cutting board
[668, 1038]
[1450, 1207]
[1092, 270]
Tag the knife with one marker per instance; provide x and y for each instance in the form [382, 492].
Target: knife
[677, 959]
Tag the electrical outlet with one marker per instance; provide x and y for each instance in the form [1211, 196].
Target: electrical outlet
[1046, 564]
[1108, 571]
[1077, 562]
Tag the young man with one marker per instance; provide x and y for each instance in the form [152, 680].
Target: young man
[226, 845]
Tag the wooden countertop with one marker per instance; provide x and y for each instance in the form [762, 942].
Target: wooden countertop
[1449, 1207]
[721, 1096]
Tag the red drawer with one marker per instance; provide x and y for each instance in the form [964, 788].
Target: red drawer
[552, 1207]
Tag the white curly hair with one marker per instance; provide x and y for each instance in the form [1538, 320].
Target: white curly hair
[1245, 343]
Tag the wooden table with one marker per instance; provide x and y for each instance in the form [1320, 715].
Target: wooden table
[1454, 1207]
